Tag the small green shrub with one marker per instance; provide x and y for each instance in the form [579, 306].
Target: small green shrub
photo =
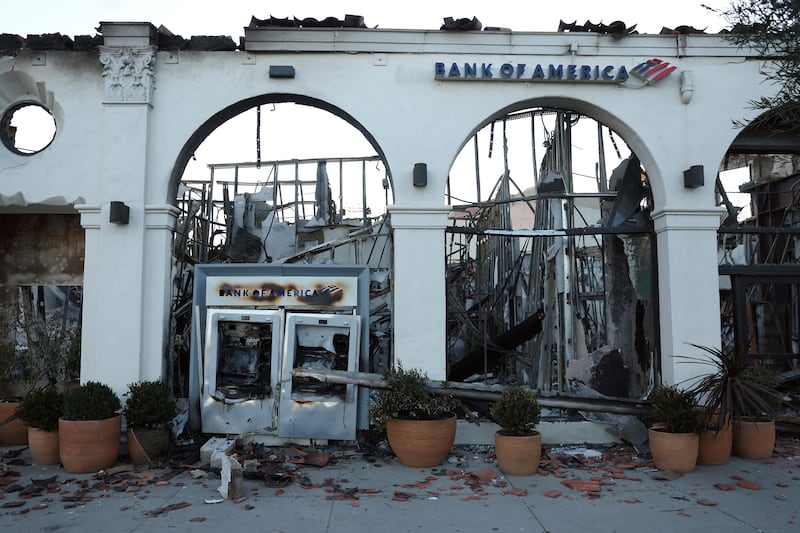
[41, 408]
[91, 401]
[517, 411]
[408, 397]
[675, 408]
[149, 404]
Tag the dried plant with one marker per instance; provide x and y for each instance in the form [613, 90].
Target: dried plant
[37, 351]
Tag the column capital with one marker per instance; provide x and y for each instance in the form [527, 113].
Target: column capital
[128, 74]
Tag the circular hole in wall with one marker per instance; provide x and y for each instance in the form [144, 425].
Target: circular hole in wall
[27, 128]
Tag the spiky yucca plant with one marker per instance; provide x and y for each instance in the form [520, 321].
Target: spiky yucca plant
[730, 388]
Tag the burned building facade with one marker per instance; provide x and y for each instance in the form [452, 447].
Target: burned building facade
[131, 107]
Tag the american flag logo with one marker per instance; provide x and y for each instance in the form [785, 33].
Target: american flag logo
[334, 292]
[653, 70]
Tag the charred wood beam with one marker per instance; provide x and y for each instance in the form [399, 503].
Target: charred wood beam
[759, 230]
[588, 230]
[479, 391]
[497, 347]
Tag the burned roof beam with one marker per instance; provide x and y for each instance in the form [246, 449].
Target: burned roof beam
[589, 230]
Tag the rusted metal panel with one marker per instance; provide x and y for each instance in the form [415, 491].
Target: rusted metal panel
[41, 249]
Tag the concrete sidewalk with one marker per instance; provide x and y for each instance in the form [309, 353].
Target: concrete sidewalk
[605, 489]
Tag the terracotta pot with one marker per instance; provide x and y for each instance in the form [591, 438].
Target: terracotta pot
[421, 443]
[753, 439]
[43, 446]
[518, 455]
[145, 444]
[14, 433]
[89, 445]
[676, 452]
[715, 446]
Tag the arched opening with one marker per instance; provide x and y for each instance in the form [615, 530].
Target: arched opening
[550, 258]
[277, 180]
[758, 184]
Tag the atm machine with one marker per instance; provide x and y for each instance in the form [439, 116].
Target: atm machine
[253, 325]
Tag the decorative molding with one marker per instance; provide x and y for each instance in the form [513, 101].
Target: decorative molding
[162, 217]
[90, 215]
[407, 217]
[128, 73]
[681, 219]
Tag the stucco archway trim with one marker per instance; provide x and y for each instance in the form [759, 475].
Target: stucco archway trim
[219, 118]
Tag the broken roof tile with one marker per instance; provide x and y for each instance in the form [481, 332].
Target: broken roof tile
[349, 21]
[212, 43]
[48, 41]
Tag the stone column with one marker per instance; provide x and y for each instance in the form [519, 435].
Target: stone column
[688, 284]
[419, 308]
[124, 301]
[160, 223]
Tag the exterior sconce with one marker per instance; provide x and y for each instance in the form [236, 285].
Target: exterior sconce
[119, 213]
[687, 86]
[420, 175]
[693, 177]
[281, 71]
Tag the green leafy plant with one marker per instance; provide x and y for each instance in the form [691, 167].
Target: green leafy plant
[149, 404]
[41, 408]
[517, 411]
[409, 397]
[675, 408]
[731, 388]
[91, 401]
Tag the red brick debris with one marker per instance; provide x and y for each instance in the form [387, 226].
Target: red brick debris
[278, 467]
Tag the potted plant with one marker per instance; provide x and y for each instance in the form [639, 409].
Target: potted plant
[12, 430]
[754, 431]
[33, 353]
[518, 445]
[40, 410]
[149, 407]
[674, 441]
[734, 392]
[90, 428]
[420, 425]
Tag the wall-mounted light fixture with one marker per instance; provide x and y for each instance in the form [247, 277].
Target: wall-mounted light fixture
[420, 175]
[687, 86]
[119, 213]
[693, 177]
[281, 71]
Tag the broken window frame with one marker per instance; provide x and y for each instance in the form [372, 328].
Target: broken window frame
[543, 360]
[759, 247]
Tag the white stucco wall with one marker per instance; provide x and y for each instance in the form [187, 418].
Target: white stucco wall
[384, 80]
